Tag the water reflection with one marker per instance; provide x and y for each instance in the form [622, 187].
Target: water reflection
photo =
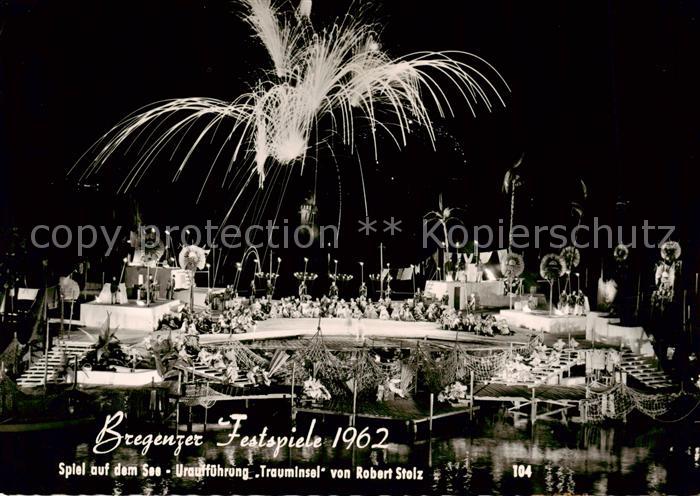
[631, 459]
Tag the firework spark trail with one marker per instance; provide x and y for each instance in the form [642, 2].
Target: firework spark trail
[338, 75]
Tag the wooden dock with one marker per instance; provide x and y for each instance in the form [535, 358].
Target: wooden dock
[561, 398]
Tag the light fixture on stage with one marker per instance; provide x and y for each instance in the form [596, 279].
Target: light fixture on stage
[208, 280]
[121, 276]
[363, 286]
[237, 278]
[166, 259]
[413, 278]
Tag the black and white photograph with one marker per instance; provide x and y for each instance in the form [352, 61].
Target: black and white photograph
[349, 247]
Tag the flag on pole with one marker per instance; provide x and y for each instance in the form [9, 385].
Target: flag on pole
[485, 256]
[405, 274]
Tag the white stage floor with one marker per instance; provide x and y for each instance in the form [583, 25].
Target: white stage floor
[130, 316]
[543, 321]
[281, 328]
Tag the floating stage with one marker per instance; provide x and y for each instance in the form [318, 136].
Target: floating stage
[538, 320]
[129, 316]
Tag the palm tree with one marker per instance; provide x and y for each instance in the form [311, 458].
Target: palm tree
[511, 181]
[107, 350]
[443, 215]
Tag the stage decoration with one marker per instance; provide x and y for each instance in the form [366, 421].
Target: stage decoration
[317, 361]
[571, 257]
[570, 299]
[148, 248]
[305, 276]
[444, 216]
[315, 391]
[107, 351]
[512, 180]
[486, 366]
[70, 290]
[366, 373]
[341, 277]
[242, 356]
[191, 259]
[11, 356]
[277, 363]
[454, 367]
[421, 358]
[620, 400]
[267, 275]
[453, 393]
[621, 253]
[170, 353]
[321, 83]
[552, 267]
[670, 251]
[512, 267]
[665, 274]
[308, 213]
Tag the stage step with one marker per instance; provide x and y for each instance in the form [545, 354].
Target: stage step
[643, 370]
[547, 371]
[61, 354]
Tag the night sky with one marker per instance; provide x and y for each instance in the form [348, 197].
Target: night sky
[602, 91]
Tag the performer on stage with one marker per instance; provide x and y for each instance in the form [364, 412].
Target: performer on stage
[170, 290]
[154, 289]
[388, 289]
[114, 289]
[471, 304]
[252, 289]
[363, 290]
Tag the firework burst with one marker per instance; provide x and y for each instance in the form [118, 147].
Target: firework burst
[321, 84]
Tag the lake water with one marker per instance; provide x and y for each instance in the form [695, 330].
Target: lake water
[636, 458]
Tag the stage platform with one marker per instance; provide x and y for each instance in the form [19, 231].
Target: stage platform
[602, 328]
[361, 329]
[129, 316]
[489, 294]
[543, 321]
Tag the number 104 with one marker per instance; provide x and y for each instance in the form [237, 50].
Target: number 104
[520, 471]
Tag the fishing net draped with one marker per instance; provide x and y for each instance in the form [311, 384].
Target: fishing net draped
[620, 400]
